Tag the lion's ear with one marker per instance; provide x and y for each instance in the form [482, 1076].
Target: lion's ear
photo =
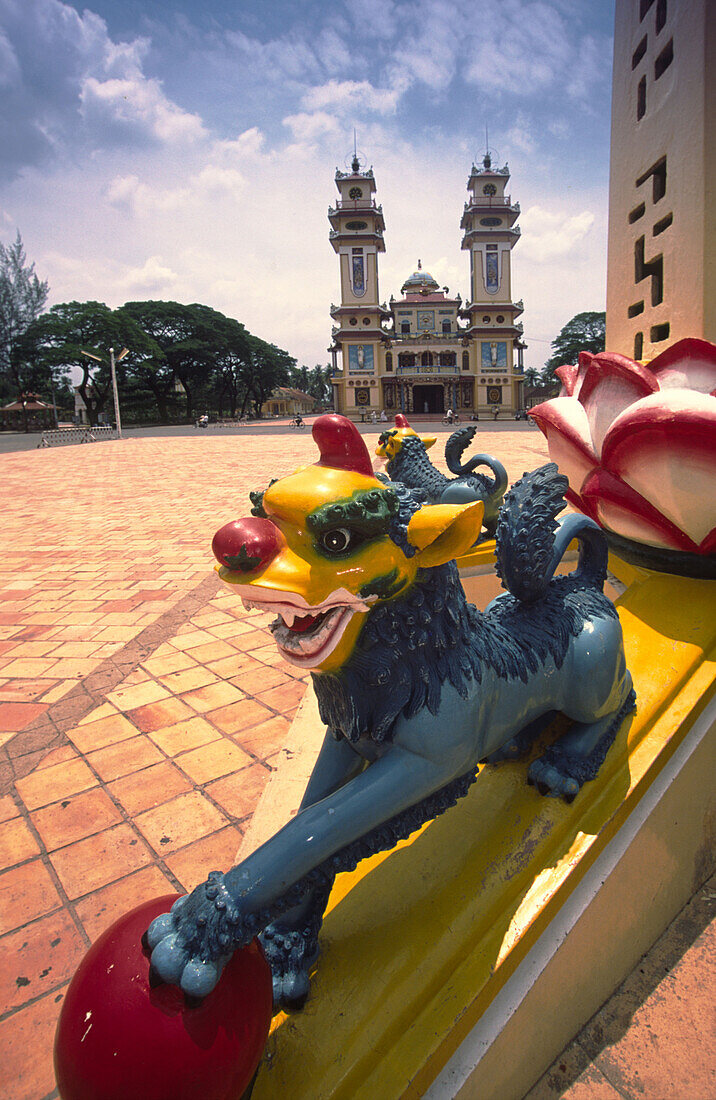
[428, 440]
[441, 532]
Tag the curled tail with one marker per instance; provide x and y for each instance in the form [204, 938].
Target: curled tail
[530, 541]
[454, 448]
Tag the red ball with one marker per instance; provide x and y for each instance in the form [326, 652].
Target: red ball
[119, 1038]
[247, 545]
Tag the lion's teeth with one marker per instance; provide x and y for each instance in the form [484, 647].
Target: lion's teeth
[288, 616]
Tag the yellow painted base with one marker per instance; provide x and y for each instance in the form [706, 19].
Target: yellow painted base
[418, 942]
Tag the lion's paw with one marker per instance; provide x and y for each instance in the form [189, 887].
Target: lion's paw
[192, 943]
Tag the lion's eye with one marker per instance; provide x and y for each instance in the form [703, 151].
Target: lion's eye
[338, 540]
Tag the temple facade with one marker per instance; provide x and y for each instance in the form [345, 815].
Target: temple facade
[427, 351]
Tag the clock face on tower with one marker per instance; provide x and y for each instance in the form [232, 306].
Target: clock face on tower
[355, 193]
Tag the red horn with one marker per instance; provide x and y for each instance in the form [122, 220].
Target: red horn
[401, 421]
[341, 444]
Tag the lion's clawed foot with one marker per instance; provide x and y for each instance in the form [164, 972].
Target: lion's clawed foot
[192, 943]
[550, 780]
[578, 755]
[291, 956]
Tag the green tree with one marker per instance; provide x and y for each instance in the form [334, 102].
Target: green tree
[22, 299]
[319, 383]
[192, 339]
[585, 332]
[57, 339]
[270, 367]
[233, 366]
[155, 373]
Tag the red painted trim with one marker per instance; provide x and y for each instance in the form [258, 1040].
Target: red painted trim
[708, 546]
[568, 377]
[610, 364]
[659, 427]
[603, 485]
[581, 505]
[688, 348]
[547, 414]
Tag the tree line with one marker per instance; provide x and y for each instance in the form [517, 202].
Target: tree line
[585, 332]
[182, 360]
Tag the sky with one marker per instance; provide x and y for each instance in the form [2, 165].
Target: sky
[173, 150]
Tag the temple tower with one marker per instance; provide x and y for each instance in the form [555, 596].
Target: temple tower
[357, 237]
[490, 234]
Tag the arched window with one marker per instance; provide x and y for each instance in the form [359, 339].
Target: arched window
[448, 359]
[466, 360]
[406, 359]
[427, 359]
[389, 360]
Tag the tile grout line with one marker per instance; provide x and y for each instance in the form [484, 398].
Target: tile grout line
[128, 819]
[125, 816]
[107, 676]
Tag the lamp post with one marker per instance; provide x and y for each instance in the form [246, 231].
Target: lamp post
[112, 361]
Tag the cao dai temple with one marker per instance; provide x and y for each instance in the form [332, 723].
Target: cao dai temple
[426, 352]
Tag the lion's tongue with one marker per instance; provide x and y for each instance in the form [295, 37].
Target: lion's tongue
[301, 625]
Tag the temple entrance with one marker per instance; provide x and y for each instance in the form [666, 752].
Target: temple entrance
[428, 399]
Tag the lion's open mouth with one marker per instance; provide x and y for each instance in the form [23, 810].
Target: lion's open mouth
[306, 635]
[310, 638]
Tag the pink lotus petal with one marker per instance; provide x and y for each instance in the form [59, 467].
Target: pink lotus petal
[622, 510]
[708, 546]
[584, 362]
[688, 364]
[582, 505]
[568, 377]
[664, 447]
[611, 384]
[564, 422]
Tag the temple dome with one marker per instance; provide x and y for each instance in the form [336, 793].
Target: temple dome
[420, 282]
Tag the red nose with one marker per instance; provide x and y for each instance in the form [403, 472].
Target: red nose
[247, 545]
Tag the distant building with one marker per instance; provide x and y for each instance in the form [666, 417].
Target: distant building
[427, 351]
[285, 401]
[661, 271]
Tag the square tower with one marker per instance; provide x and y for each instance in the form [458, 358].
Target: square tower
[661, 270]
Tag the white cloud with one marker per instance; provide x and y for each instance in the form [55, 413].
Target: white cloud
[153, 278]
[147, 200]
[66, 85]
[429, 51]
[352, 94]
[521, 135]
[137, 105]
[306, 127]
[248, 145]
[551, 236]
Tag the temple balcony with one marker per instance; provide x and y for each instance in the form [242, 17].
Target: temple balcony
[349, 205]
[491, 231]
[420, 339]
[491, 201]
[423, 370]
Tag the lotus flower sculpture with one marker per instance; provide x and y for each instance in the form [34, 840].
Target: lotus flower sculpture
[637, 442]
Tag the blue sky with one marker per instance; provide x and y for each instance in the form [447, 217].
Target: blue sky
[152, 150]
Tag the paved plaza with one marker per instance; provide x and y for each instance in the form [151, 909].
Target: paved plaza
[142, 710]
